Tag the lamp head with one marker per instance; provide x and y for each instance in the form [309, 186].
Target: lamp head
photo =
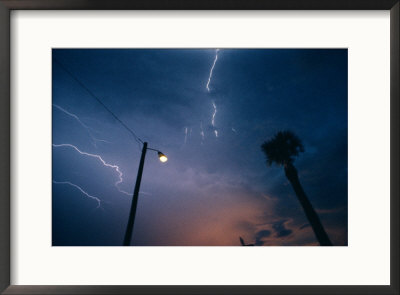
[163, 158]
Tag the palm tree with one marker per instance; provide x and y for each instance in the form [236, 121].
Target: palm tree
[282, 149]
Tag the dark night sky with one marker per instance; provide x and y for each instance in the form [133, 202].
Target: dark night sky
[213, 189]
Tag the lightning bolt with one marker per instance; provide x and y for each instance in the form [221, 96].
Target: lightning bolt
[71, 115]
[81, 190]
[208, 89]
[201, 132]
[212, 69]
[213, 118]
[88, 129]
[98, 157]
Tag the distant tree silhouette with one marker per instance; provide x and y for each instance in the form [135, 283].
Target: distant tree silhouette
[282, 149]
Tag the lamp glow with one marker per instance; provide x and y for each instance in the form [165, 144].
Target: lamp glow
[163, 158]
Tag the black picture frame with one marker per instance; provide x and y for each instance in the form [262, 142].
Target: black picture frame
[6, 6]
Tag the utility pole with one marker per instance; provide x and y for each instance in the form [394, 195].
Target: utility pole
[131, 221]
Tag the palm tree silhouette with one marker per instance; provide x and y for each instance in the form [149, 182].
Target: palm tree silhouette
[282, 149]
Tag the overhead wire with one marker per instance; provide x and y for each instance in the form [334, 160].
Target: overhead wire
[137, 138]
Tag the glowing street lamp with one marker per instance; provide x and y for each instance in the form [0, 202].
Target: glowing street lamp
[163, 158]
[131, 221]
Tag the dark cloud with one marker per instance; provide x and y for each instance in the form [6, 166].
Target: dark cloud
[262, 234]
[280, 229]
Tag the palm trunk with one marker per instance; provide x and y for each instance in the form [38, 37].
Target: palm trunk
[313, 219]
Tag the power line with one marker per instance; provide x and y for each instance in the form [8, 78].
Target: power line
[99, 101]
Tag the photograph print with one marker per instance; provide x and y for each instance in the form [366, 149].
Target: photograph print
[199, 147]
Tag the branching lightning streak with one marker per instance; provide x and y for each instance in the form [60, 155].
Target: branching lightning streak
[208, 89]
[212, 69]
[81, 190]
[81, 123]
[115, 167]
[70, 114]
[213, 118]
[201, 132]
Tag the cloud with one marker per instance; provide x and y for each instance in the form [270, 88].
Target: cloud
[280, 229]
[261, 234]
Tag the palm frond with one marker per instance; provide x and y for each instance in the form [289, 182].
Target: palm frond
[282, 148]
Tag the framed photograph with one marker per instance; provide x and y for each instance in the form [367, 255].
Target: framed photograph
[147, 144]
